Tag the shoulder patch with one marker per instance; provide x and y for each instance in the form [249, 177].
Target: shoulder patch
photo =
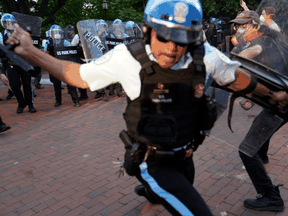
[104, 58]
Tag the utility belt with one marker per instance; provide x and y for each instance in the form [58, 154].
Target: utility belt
[137, 152]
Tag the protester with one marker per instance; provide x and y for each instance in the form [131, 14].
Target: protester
[262, 45]
[267, 18]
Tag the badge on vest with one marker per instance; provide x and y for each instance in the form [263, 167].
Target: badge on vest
[161, 95]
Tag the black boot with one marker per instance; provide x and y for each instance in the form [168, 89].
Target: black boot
[270, 201]
[105, 97]
[98, 95]
[140, 190]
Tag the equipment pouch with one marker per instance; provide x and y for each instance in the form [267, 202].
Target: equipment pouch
[209, 114]
[134, 154]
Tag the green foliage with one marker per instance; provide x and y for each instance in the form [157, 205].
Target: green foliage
[224, 8]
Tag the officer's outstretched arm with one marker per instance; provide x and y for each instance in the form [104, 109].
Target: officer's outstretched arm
[66, 71]
[245, 83]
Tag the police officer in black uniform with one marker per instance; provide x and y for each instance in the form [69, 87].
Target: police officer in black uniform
[57, 40]
[75, 41]
[15, 74]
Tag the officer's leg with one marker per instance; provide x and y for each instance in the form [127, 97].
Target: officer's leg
[263, 151]
[27, 87]
[57, 89]
[15, 85]
[112, 87]
[104, 94]
[74, 95]
[177, 195]
[38, 78]
[83, 94]
[271, 199]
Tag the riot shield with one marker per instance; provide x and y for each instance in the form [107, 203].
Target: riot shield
[260, 48]
[129, 34]
[115, 34]
[30, 23]
[93, 39]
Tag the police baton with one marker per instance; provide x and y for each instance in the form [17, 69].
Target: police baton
[7, 52]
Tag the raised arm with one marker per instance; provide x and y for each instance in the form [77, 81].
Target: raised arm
[66, 71]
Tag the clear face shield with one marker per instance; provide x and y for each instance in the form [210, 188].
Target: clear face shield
[9, 25]
[118, 30]
[48, 34]
[56, 34]
[101, 29]
[130, 31]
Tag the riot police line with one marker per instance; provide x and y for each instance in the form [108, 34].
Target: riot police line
[163, 126]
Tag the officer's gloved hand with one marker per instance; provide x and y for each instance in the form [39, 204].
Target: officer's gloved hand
[50, 46]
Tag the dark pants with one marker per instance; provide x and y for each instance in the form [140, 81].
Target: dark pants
[16, 77]
[57, 88]
[83, 92]
[255, 167]
[38, 77]
[170, 182]
[117, 87]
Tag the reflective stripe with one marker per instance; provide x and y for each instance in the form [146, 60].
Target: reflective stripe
[171, 199]
[180, 148]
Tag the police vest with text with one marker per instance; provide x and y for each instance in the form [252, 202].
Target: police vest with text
[69, 53]
[169, 111]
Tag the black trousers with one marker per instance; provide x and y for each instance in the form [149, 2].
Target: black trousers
[83, 92]
[38, 77]
[170, 182]
[16, 77]
[57, 88]
[117, 87]
[255, 167]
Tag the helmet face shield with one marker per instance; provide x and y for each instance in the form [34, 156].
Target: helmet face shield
[9, 24]
[118, 30]
[57, 34]
[129, 31]
[177, 35]
[101, 28]
[177, 20]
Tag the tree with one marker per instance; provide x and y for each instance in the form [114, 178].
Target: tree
[41, 8]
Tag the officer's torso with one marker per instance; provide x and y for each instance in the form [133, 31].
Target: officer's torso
[165, 113]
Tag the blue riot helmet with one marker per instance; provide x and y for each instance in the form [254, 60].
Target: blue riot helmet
[56, 32]
[8, 21]
[118, 28]
[178, 20]
[129, 28]
[101, 27]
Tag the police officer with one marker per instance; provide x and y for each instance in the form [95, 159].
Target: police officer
[130, 29]
[3, 126]
[101, 28]
[15, 74]
[75, 41]
[57, 40]
[158, 77]
[118, 33]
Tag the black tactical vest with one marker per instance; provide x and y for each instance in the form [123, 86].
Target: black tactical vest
[166, 114]
[60, 44]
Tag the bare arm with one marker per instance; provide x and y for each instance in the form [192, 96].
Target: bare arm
[66, 71]
[243, 78]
